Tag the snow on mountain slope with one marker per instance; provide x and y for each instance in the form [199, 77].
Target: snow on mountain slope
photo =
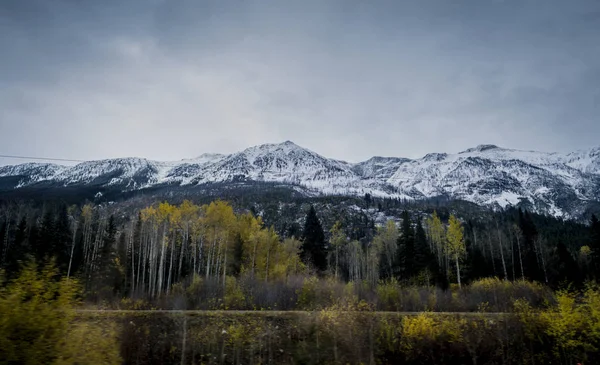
[488, 174]
[586, 160]
[128, 173]
[29, 173]
[288, 163]
[558, 184]
[379, 167]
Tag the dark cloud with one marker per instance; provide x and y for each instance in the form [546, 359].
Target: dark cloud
[348, 79]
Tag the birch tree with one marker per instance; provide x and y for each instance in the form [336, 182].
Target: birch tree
[456, 243]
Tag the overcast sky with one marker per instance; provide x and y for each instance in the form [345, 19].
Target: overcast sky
[348, 79]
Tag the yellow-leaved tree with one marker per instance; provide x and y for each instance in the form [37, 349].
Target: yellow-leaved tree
[338, 240]
[37, 322]
[385, 242]
[437, 240]
[456, 243]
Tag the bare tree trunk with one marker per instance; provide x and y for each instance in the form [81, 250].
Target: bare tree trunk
[195, 254]
[543, 263]
[218, 259]
[336, 261]
[132, 243]
[200, 253]
[520, 257]
[141, 250]
[492, 253]
[448, 266]
[171, 265]
[458, 271]
[211, 254]
[5, 239]
[267, 266]
[501, 252]
[161, 264]
[224, 267]
[184, 242]
[512, 255]
[75, 224]
[254, 257]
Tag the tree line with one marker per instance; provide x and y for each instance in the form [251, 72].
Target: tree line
[146, 253]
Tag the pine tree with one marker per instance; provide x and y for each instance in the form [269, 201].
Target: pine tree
[238, 254]
[62, 239]
[406, 248]
[531, 263]
[566, 267]
[595, 245]
[368, 200]
[19, 249]
[313, 247]
[45, 239]
[425, 260]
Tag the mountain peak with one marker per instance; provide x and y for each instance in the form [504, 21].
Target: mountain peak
[285, 147]
[481, 148]
[205, 158]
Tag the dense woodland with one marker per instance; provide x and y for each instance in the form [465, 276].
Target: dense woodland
[371, 256]
[144, 253]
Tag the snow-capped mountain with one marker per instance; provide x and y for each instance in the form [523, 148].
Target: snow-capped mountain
[558, 184]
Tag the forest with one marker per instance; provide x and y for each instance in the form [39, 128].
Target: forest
[379, 281]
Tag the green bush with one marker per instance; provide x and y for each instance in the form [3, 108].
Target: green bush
[37, 322]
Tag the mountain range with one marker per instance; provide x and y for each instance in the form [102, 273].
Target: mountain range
[565, 185]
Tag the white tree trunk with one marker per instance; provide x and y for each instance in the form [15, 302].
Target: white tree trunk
[75, 224]
[457, 271]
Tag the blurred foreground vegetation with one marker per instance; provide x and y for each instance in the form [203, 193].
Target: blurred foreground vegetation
[40, 324]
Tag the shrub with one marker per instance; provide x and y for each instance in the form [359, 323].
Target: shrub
[307, 296]
[37, 322]
[424, 336]
[234, 296]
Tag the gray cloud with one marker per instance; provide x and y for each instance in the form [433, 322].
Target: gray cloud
[348, 79]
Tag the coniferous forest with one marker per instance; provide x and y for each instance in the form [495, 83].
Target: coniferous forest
[323, 280]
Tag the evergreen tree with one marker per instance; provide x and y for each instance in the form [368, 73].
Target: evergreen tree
[62, 239]
[238, 254]
[530, 258]
[21, 234]
[19, 249]
[422, 252]
[406, 248]
[34, 240]
[5, 241]
[595, 245]
[313, 246]
[294, 230]
[565, 266]
[425, 260]
[476, 265]
[45, 239]
[368, 200]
